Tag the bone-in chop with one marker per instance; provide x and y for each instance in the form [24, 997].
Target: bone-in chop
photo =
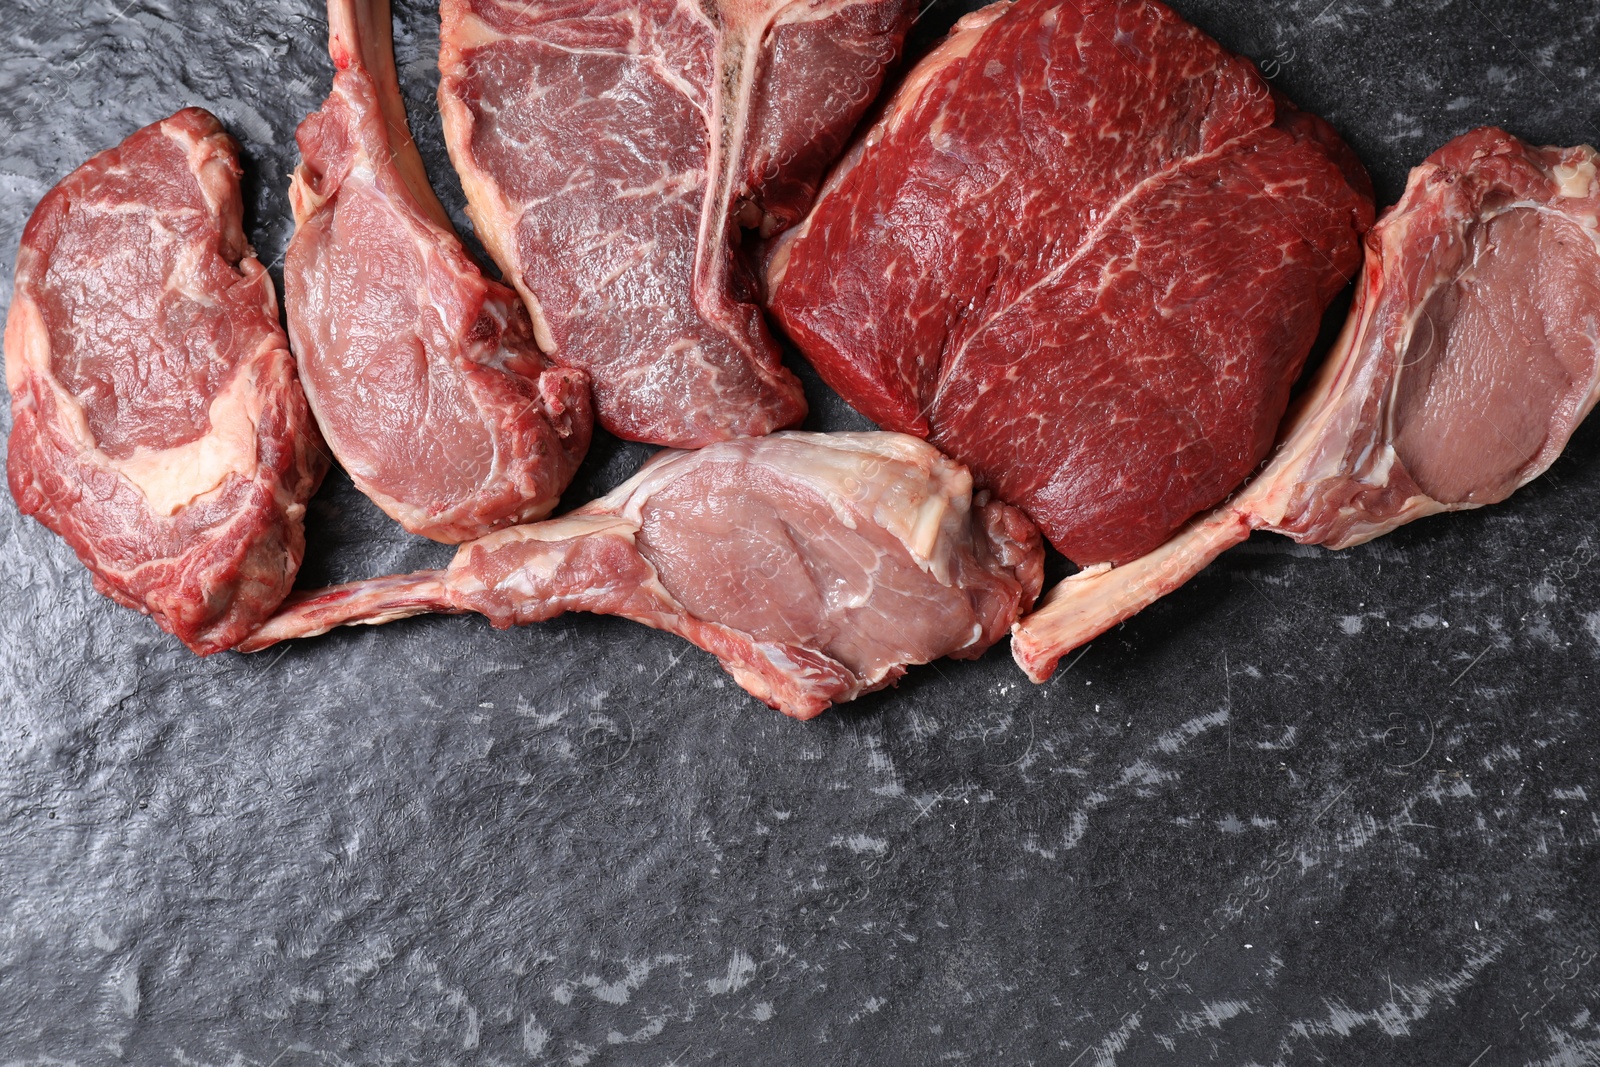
[815, 567]
[424, 375]
[1470, 356]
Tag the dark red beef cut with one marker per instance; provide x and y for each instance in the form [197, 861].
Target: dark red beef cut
[611, 151]
[1085, 251]
[1471, 355]
[157, 422]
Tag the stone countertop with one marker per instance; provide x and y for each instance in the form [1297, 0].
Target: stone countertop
[1316, 807]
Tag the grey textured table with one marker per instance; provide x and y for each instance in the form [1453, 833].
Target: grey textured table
[1315, 808]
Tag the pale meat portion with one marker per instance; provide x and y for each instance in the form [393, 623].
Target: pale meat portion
[1085, 251]
[1470, 356]
[611, 151]
[815, 567]
[157, 424]
[424, 375]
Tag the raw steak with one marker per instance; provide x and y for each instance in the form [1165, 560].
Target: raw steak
[423, 374]
[157, 424]
[1085, 251]
[816, 567]
[1471, 355]
[611, 149]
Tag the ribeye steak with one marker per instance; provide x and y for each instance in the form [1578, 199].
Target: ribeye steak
[611, 150]
[1471, 355]
[816, 567]
[1085, 251]
[157, 424]
[424, 375]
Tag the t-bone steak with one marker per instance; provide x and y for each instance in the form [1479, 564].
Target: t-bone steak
[1470, 356]
[611, 150]
[157, 424]
[424, 375]
[815, 567]
[1085, 251]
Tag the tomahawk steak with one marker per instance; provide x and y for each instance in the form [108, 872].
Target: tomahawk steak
[1470, 356]
[816, 567]
[612, 149]
[424, 375]
[1085, 251]
[157, 424]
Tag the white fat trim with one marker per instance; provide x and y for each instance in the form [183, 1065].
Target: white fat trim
[303, 201]
[27, 342]
[826, 462]
[964, 37]
[187, 273]
[168, 478]
[917, 523]
[464, 583]
[527, 579]
[921, 534]
[975, 635]
[469, 31]
[566, 528]
[1577, 181]
[203, 160]
[778, 266]
[172, 478]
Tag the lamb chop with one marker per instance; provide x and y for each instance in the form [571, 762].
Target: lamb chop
[157, 424]
[1470, 356]
[424, 375]
[815, 567]
[611, 151]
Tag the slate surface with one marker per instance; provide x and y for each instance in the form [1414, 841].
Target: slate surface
[1316, 808]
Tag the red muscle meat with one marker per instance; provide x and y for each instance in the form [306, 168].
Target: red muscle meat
[1471, 355]
[424, 375]
[816, 567]
[157, 424]
[610, 152]
[1085, 251]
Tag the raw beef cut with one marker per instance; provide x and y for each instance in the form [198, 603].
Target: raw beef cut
[1471, 355]
[1084, 251]
[611, 150]
[424, 375]
[816, 567]
[157, 424]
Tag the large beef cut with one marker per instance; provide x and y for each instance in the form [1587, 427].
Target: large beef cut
[612, 149]
[157, 424]
[816, 567]
[1085, 251]
[424, 375]
[1470, 356]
